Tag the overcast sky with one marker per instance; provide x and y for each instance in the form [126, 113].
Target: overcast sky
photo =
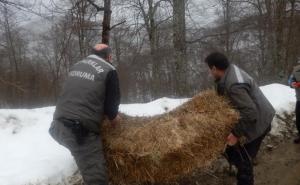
[203, 12]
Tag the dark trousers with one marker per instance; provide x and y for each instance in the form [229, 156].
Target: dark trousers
[241, 157]
[297, 111]
[88, 155]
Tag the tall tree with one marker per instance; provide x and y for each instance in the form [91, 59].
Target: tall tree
[179, 41]
[106, 22]
[106, 28]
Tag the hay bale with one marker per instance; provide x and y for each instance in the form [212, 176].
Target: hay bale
[165, 147]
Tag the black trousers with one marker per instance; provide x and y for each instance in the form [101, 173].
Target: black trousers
[297, 111]
[241, 157]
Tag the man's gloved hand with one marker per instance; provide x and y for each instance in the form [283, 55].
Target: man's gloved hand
[296, 84]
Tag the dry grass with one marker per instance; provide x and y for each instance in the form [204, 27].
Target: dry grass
[162, 148]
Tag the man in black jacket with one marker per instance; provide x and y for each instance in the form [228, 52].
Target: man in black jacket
[256, 114]
[90, 93]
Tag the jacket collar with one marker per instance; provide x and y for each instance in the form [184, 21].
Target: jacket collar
[100, 59]
[223, 79]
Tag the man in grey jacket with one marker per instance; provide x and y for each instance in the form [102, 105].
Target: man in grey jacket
[256, 114]
[90, 92]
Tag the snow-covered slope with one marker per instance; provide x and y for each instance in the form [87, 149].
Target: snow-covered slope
[283, 99]
[29, 155]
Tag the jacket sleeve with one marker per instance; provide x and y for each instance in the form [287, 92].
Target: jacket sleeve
[291, 80]
[112, 95]
[242, 101]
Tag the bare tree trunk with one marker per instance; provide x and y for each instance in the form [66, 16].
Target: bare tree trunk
[152, 28]
[148, 16]
[179, 26]
[290, 54]
[106, 22]
[79, 23]
[227, 21]
[150, 22]
[262, 41]
[179, 35]
[14, 68]
[270, 35]
[279, 32]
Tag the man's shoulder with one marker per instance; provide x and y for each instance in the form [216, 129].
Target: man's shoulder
[101, 61]
[237, 76]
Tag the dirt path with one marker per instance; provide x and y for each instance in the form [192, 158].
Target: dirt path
[279, 166]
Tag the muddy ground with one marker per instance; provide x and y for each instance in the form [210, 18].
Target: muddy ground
[277, 166]
[280, 166]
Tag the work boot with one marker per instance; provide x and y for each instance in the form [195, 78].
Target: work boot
[297, 140]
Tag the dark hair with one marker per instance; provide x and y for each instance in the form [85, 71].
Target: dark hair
[217, 60]
[103, 53]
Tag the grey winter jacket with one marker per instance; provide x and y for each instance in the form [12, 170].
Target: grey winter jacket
[84, 93]
[256, 112]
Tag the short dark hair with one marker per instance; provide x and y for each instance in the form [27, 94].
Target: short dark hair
[218, 60]
[103, 53]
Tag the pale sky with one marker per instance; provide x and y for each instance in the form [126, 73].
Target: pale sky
[203, 12]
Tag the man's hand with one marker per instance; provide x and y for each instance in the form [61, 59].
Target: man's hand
[232, 140]
[296, 84]
[115, 121]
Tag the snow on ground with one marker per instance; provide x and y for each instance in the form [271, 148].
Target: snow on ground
[283, 99]
[159, 106]
[29, 155]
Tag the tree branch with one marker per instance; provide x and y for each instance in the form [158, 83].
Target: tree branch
[13, 85]
[98, 8]
[112, 27]
[240, 29]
